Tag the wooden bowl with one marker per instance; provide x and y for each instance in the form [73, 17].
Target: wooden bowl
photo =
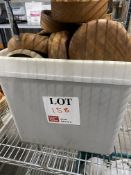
[76, 11]
[58, 45]
[4, 52]
[29, 41]
[101, 40]
[24, 53]
[49, 25]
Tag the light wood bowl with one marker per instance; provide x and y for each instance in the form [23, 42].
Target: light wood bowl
[49, 25]
[29, 41]
[101, 40]
[76, 11]
[24, 53]
[58, 45]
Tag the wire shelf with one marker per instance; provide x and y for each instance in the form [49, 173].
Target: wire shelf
[33, 156]
[51, 160]
[4, 112]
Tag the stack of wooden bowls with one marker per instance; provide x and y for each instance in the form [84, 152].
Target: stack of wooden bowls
[78, 29]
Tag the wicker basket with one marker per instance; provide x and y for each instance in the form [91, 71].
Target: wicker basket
[77, 11]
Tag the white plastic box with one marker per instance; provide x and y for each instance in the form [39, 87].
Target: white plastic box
[101, 90]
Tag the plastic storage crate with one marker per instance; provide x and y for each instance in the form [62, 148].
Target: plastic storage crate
[98, 93]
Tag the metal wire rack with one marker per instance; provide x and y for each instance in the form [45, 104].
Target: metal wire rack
[50, 160]
[4, 113]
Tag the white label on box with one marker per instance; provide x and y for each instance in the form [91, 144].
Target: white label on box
[33, 11]
[62, 110]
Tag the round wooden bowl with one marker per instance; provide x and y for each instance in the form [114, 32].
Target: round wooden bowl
[58, 45]
[77, 11]
[101, 40]
[48, 24]
[29, 41]
[24, 53]
[4, 52]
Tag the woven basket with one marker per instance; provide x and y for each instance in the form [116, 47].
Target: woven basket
[3, 105]
[76, 11]
[49, 25]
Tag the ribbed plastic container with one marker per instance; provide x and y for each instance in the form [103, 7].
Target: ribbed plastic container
[101, 90]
